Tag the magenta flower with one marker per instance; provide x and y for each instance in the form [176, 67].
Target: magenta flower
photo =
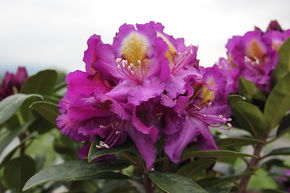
[132, 86]
[135, 62]
[204, 104]
[250, 56]
[107, 100]
[12, 83]
[253, 56]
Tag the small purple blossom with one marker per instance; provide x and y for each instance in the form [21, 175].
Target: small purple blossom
[146, 86]
[253, 56]
[12, 83]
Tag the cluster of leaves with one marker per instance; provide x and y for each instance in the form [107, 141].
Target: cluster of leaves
[35, 157]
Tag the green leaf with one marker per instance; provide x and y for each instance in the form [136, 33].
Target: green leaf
[283, 66]
[75, 170]
[249, 90]
[237, 141]
[41, 83]
[284, 125]
[250, 118]
[262, 179]
[280, 151]
[195, 167]
[41, 125]
[9, 135]
[214, 153]
[18, 171]
[214, 182]
[232, 99]
[47, 110]
[95, 152]
[278, 102]
[219, 190]
[173, 183]
[11, 104]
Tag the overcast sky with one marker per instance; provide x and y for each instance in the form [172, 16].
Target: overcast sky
[53, 33]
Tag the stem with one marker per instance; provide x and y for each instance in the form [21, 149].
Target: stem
[147, 184]
[253, 162]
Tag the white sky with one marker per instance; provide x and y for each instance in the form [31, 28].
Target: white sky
[53, 33]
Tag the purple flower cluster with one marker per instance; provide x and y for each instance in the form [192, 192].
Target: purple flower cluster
[146, 86]
[12, 83]
[253, 56]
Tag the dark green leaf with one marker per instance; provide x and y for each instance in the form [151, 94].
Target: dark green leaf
[249, 90]
[278, 102]
[220, 181]
[41, 83]
[75, 170]
[9, 135]
[11, 104]
[47, 110]
[214, 153]
[237, 141]
[219, 190]
[280, 151]
[95, 152]
[272, 163]
[195, 167]
[250, 118]
[173, 183]
[18, 171]
[283, 66]
[284, 125]
[232, 99]
[41, 125]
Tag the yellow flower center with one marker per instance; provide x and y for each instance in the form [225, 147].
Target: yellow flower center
[135, 48]
[171, 49]
[255, 51]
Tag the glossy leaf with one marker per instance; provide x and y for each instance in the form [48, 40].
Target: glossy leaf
[41, 83]
[18, 171]
[195, 167]
[47, 110]
[11, 104]
[237, 141]
[278, 102]
[283, 66]
[75, 170]
[250, 118]
[95, 152]
[173, 183]
[249, 90]
[214, 153]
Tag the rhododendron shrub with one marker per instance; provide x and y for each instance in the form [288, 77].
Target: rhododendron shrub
[144, 116]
